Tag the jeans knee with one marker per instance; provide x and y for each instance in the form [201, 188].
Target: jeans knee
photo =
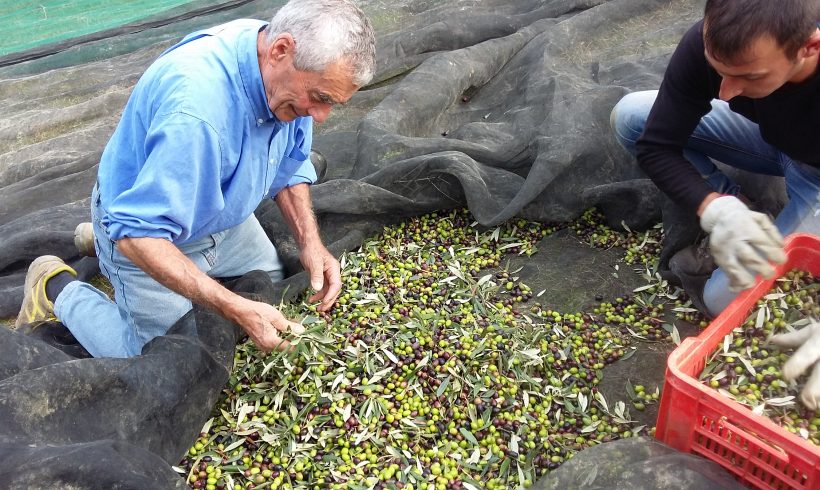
[716, 293]
[619, 121]
[628, 117]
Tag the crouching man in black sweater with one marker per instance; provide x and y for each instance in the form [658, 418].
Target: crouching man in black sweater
[743, 88]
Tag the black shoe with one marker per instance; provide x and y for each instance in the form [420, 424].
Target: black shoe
[693, 266]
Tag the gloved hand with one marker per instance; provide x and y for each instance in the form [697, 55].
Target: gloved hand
[807, 340]
[743, 242]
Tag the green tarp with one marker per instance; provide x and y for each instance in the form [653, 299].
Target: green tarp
[35, 29]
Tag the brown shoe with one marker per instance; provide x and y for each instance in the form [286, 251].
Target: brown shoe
[84, 240]
[37, 307]
[693, 266]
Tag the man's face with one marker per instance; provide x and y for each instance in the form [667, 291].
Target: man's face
[293, 93]
[763, 69]
[306, 93]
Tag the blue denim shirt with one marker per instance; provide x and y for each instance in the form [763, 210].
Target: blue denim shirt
[198, 148]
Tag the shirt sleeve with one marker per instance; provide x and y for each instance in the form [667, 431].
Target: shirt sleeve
[683, 98]
[295, 166]
[177, 191]
[303, 139]
[305, 174]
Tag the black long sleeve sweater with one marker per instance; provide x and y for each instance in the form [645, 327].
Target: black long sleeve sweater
[789, 119]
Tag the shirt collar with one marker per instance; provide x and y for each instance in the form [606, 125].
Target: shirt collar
[251, 76]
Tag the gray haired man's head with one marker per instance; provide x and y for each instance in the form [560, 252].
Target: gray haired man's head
[326, 31]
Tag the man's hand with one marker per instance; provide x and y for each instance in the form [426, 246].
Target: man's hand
[263, 323]
[325, 274]
[743, 242]
[807, 340]
[171, 268]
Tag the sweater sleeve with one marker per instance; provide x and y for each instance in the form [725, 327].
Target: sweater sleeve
[683, 99]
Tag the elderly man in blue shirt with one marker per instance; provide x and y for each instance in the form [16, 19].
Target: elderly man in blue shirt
[219, 122]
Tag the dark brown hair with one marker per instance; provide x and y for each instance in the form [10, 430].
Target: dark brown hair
[731, 26]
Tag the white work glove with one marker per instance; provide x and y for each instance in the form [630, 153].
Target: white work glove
[807, 340]
[742, 241]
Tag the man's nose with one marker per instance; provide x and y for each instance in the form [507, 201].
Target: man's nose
[729, 89]
[319, 113]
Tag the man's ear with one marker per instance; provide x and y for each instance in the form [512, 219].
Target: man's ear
[283, 46]
[812, 45]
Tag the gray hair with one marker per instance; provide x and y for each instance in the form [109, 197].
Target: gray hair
[327, 31]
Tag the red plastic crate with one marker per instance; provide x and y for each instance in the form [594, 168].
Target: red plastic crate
[695, 418]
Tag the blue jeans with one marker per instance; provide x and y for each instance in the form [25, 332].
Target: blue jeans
[144, 308]
[734, 140]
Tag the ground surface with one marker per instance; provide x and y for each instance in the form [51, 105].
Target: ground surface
[567, 275]
[576, 277]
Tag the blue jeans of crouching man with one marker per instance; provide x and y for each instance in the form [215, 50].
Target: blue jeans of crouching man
[144, 308]
[734, 140]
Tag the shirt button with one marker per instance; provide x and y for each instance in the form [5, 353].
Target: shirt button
[260, 121]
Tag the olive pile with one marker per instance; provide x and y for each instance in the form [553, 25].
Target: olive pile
[640, 397]
[747, 370]
[429, 372]
[641, 248]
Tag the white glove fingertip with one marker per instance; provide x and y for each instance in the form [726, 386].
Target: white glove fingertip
[792, 369]
[791, 339]
[778, 256]
[766, 271]
[809, 399]
[807, 355]
[739, 278]
[811, 392]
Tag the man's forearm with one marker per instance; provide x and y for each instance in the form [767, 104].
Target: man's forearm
[163, 261]
[297, 209]
[320, 264]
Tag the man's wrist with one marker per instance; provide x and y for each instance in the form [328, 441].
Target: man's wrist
[706, 201]
[230, 305]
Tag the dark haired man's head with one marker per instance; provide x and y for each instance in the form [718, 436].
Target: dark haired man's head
[757, 46]
[732, 26]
